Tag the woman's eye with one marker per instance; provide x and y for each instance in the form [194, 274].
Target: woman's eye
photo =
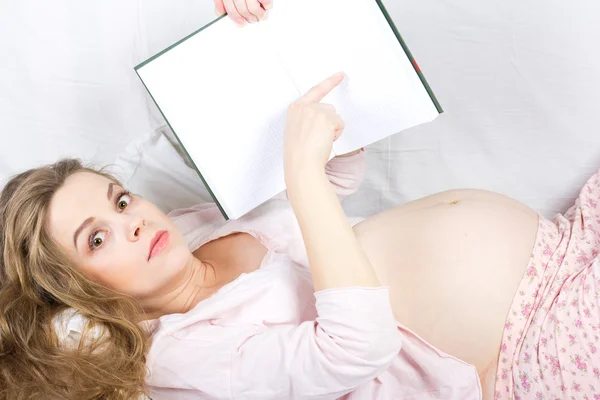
[96, 240]
[123, 202]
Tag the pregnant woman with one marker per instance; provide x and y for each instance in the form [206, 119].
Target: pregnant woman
[450, 297]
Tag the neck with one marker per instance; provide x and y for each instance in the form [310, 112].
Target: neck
[198, 281]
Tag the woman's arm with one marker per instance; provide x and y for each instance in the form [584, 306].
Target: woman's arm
[354, 337]
[345, 174]
[335, 257]
[351, 342]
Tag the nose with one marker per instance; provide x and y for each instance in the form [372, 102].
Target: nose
[135, 229]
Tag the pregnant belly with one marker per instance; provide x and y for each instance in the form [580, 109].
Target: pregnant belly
[453, 262]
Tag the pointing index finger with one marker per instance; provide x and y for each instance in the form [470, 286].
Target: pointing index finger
[318, 92]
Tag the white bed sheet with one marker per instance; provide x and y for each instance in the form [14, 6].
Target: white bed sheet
[520, 83]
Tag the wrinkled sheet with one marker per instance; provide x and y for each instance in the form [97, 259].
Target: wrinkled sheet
[519, 81]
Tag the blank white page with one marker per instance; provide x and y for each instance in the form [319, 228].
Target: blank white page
[383, 94]
[225, 95]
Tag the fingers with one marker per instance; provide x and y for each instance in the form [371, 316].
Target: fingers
[337, 125]
[266, 4]
[242, 11]
[233, 12]
[324, 112]
[256, 9]
[317, 93]
[219, 7]
[334, 121]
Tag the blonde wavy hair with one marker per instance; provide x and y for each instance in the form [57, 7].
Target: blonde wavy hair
[37, 282]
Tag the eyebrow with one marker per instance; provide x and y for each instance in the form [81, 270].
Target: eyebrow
[81, 227]
[91, 219]
[110, 190]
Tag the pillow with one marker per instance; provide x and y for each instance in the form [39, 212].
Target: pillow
[155, 167]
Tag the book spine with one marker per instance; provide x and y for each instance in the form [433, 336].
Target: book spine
[410, 56]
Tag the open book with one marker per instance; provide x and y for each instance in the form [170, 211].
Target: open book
[224, 90]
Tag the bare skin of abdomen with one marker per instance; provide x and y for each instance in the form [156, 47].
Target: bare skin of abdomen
[453, 262]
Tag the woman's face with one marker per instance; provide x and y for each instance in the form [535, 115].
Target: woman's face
[116, 238]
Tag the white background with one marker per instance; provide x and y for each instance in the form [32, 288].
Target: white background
[519, 81]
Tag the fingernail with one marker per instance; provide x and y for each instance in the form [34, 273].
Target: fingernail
[268, 6]
[241, 22]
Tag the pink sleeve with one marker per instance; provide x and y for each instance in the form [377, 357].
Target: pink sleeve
[345, 174]
[354, 339]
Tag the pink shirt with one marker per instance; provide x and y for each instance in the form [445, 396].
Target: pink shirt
[268, 335]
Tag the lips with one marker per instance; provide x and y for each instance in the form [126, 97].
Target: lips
[158, 244]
